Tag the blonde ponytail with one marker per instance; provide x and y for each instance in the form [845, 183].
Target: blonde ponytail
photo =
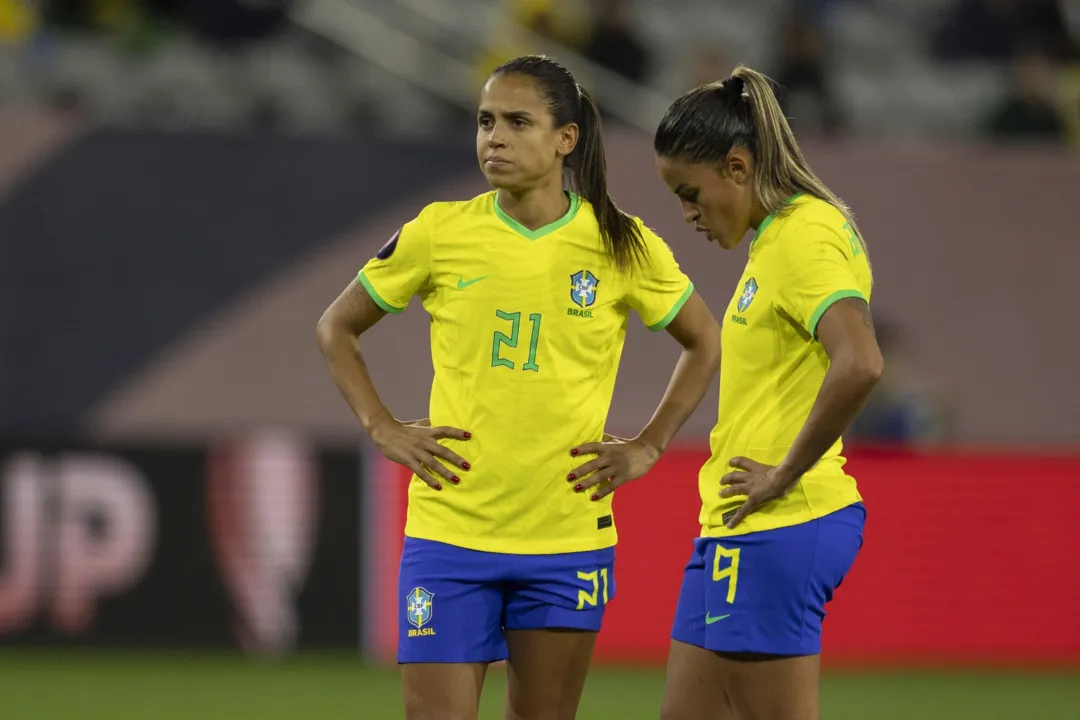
[781, 168]
[704, 125]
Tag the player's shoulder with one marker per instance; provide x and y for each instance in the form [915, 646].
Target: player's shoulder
[657, 249]
[437, 214]
[648, 234]
[810, 223]
[808, 211]
[655, 245]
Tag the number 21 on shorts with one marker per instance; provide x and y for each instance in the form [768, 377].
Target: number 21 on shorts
[597, 578]
[726, 567]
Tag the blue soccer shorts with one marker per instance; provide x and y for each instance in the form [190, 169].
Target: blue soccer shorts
[765, 592]
[457, 604]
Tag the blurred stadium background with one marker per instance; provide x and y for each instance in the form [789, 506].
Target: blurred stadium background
[191, 525]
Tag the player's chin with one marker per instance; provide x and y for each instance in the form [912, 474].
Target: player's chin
[501, 177]
[725, 241]
[717, 238]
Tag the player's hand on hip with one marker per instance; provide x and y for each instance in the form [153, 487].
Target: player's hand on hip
[760, 484]
[415, 445]
[617, 462]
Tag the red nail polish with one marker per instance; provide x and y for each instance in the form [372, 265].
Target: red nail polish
[574, 451]
[578, 488]
[438, 487]
[455, 479]
[595, 497]
[466, 465]
[468, 435]
[571, 476]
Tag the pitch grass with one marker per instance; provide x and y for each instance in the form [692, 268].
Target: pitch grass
[102, 685]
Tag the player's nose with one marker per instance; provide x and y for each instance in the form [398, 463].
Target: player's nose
[689, 213]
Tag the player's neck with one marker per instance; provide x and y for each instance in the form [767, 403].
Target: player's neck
[757, 215]
[535, 208]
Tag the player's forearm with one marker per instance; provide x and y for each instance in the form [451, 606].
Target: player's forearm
[341, 351]
[842, 396]
[693, 374]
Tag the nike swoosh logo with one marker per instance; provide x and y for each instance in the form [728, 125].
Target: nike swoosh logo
[709, 620]
[462, 283]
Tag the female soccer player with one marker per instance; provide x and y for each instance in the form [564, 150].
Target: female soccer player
[509, 546]
[781, 520]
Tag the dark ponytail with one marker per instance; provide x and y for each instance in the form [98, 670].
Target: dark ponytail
[622, 237]
[587, 164]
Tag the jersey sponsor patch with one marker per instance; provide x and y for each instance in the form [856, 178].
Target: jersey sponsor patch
[388, 249]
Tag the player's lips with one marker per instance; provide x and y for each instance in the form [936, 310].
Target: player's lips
[496, 162]
[708, 233]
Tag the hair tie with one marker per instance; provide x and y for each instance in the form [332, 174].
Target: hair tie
[740, 90]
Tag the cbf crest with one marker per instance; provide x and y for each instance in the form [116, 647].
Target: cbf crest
[419, 609]
[583, 288]
[748, 293]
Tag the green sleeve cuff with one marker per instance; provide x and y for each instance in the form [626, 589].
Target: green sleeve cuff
[666, 320]
[827, 303]
[385, 306]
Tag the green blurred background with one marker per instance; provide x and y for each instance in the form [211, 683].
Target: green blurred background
[96, 685]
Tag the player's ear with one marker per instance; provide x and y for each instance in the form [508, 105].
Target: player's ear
[738, 165]
[568, 139]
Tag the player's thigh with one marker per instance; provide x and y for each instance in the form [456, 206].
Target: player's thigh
[449, 627]
[688, 626]
[442, 691]
[762, 687]
[451, 605]
[545, 674]
[554, 610]
[766, 592]
[694, 685]
[765, 602]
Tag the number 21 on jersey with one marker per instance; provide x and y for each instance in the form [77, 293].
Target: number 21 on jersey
[501, 339]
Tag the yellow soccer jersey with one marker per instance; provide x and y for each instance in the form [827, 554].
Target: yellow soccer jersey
[527, 328]
[801, 262]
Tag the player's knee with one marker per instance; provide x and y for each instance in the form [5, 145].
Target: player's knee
[437, 712]
[424, 706]
[672, 708]
[442, 713]
[554, 712]
[548, 705]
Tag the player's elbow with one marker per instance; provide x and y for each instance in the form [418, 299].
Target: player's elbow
[327, 331]
[710, 345]
[696, 329]
[702, 343]
[866, 368]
